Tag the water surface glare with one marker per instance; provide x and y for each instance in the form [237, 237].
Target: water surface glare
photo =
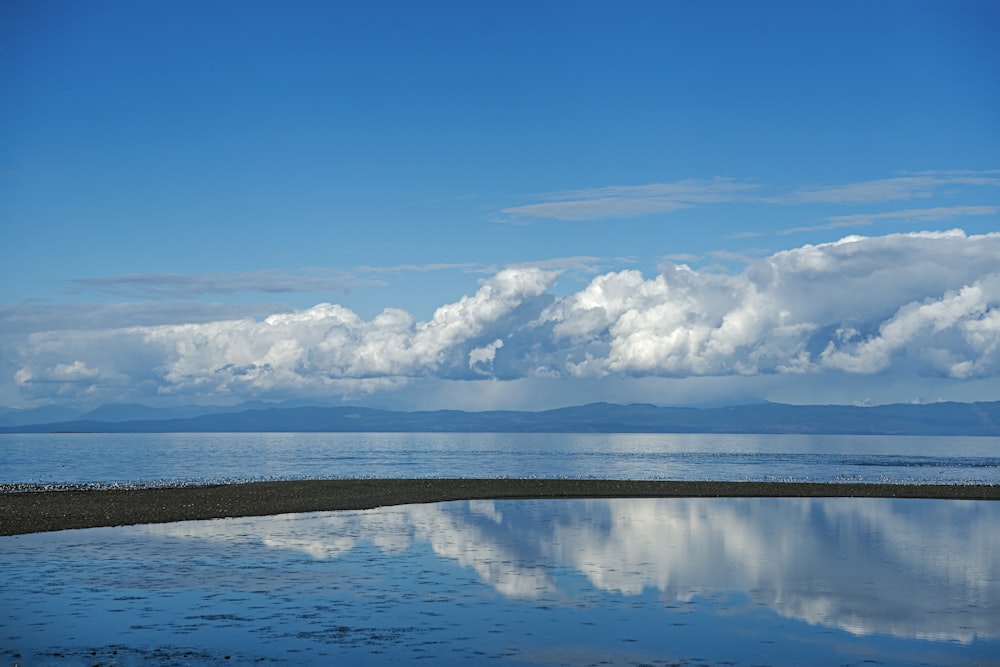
[205, 457]
[776, 581]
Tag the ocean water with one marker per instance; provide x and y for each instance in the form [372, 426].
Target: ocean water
[675, 581]
[155, 459]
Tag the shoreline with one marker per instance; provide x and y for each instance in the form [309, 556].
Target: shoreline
[44, 511]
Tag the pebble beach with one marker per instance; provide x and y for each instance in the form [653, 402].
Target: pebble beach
[30, 509]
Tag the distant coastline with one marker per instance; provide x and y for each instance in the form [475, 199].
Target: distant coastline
[969, 419]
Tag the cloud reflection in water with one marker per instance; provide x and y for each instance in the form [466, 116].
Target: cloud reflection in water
[907, 568]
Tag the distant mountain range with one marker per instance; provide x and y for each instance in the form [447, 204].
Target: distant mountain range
[900, 419]
[120, 412]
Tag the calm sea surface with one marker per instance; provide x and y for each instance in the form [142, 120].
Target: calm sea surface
[205, 457]
[673, 581]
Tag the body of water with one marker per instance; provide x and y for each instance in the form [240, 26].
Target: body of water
[677, 581]
[674, 581]
[206, 457]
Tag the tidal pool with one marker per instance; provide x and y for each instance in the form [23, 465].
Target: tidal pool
[521, 582]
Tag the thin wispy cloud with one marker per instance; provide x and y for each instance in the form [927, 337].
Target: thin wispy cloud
[581, 263]
[420, 268]
[618, 201]
[913, 186]
[173, 286]
[684, 257]
[623, 201]
[915, 215]
[596, 209]
[25, 318]
[747, 256]
[195, 285]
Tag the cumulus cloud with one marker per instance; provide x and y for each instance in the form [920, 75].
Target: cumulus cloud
[481, 358]
[956, 335]
[923, 303]
[787, 313]
[327, 348]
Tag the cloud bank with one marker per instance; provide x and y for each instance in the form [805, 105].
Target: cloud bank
[925, 304]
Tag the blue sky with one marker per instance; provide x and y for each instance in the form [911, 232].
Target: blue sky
[637, 202]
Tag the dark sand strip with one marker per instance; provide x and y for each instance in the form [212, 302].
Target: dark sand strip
[33, 512]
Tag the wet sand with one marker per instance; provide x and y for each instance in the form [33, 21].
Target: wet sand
[41, 511]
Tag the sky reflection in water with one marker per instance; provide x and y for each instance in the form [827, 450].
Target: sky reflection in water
[658, 581]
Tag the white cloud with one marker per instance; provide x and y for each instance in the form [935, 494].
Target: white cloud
[917, 304]
[782, 314]
[956, 334]
[77, 371]
[481, 358]
[327, 348]
[579, 263]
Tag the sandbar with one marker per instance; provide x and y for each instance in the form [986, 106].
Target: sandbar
[42, 511]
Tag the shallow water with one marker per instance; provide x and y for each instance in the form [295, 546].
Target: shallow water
[526, 582]
[204, 457]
